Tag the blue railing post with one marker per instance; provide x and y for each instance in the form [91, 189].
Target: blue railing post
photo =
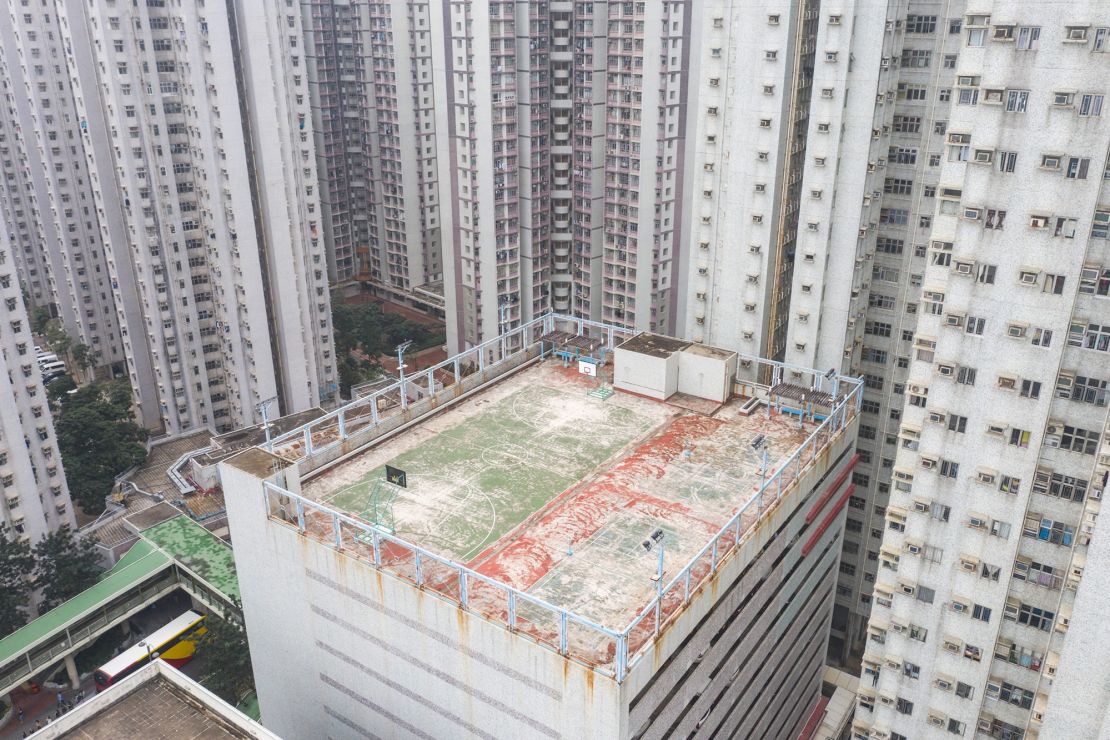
[622, 656]
[341, 418]
[563, 638]
[419, 572]
[512, 609]
[376, 541]
[463, 596]
[338, 532]
[374, 409]
[308, 442]
[300, 516]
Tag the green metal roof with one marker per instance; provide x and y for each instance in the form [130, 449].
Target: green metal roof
[140, 562]
[197, 549]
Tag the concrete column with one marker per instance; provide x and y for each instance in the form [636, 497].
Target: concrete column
[71, 671]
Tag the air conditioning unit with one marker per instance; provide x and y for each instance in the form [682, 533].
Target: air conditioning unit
[985, 477]
[897, 627]
[984, 156]
[959, 607]
[936, 721]
[906, 588]
[969, 564]
[1038, 222]
[754, 249]
[953, 319]
[921, 506]
[946, 370]
[964, 268]
[913, 549]
[1054, 427]
[976, 522]
[1016, 331]
[942, 684]
[937, 417]
[928, 463]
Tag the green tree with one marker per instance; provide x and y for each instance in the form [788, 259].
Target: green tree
[229, 658]
[83, 356]
[40, 319]
[98, 439]
[57, 390]
[16, 563]
[57, 338]
[65, 566]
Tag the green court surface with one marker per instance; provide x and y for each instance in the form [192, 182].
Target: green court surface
[473, 482]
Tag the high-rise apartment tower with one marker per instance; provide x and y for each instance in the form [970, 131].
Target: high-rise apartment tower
[1002, 450]
[196, 123]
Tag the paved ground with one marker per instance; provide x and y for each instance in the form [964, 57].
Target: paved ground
[542, 487]
[473, 482]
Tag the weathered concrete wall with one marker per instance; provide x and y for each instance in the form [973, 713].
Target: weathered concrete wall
[343, 650]
[648, 375]
[705, 377]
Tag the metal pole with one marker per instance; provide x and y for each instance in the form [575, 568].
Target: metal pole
[659, 585]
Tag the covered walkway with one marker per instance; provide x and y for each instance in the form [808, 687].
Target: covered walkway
[174, 554]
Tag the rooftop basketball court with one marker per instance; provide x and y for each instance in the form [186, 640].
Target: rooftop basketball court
[538, 485]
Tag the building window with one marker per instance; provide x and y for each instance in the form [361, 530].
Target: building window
[1016, 101]
[1028, 38]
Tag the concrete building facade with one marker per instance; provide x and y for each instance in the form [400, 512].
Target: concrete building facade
[35, 495]
[563, 171]
[197, 127]
[46, 194]
[1001, 460]
[370, 74]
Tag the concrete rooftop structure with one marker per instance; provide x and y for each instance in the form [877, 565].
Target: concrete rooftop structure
[156, 702]
[542, 487]
[509, 570]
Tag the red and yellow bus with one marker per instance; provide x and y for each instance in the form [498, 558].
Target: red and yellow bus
[174, 643]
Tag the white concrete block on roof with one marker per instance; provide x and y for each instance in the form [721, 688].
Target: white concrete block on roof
[706, 372]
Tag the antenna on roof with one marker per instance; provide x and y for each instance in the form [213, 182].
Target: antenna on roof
[263, 408]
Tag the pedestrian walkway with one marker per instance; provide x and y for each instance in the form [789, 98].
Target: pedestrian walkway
[173, 554]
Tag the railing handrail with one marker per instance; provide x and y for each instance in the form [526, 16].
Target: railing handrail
[549, 322]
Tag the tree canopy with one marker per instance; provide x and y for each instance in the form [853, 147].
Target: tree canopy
[228, 658]
[98, 439]
[64, 566]
[16, 564]
[365, 327]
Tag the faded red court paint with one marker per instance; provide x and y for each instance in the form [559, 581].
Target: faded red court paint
[523, 559]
